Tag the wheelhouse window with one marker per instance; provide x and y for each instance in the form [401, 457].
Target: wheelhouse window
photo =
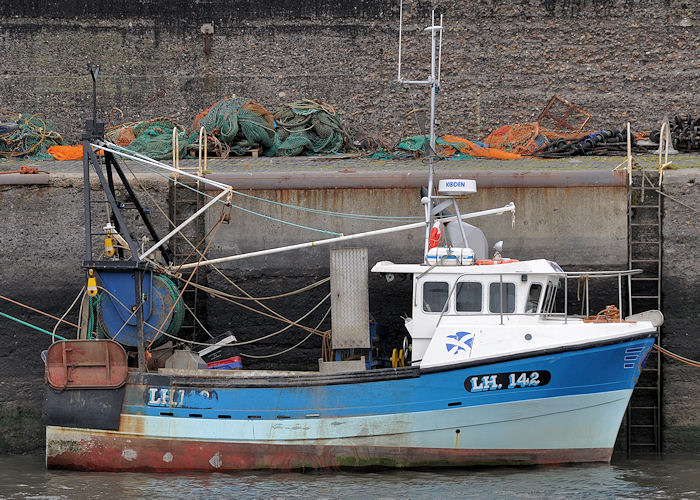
[434, 296]
[550, 294]
[469, 297]
[533, 298]
[508, 297]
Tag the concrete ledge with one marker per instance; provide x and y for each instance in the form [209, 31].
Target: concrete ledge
[682, 176]
[415, 179]
[10, 179]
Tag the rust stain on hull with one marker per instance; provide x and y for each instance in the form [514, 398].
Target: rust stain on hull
[115, 452]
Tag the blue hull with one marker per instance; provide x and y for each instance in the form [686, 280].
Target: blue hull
[550, 408]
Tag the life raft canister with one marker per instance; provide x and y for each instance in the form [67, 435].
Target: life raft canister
[434, 238]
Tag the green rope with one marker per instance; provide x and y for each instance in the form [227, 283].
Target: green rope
[91, 317]
[30, 325]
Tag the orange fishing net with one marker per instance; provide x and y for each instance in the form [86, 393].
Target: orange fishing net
[517, 138]
[528, 138]
[63, 153]
[456, 143]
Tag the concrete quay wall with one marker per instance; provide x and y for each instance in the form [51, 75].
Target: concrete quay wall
[620, 60]
[580, 226]
[681, 306]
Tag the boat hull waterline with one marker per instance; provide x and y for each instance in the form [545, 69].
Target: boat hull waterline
[554, 408]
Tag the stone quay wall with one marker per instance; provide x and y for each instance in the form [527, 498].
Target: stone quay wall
[42, 244]
[622, 60]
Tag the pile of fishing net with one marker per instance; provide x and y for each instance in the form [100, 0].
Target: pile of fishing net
[448, 146]
[311, 127]
[236, 125]
[530, 139]
[153, 138]
[27, 135]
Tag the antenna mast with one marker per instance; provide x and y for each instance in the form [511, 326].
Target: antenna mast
[433, 81]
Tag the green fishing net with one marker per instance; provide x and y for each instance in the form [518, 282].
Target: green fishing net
[27, 135]
[311, 127]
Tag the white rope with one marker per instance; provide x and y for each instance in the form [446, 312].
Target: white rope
[53, 332]
[294, 346]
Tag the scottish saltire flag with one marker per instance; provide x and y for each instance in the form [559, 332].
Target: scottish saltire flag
[460, 341]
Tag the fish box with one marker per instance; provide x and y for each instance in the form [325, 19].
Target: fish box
[233, 363]
[220, 348]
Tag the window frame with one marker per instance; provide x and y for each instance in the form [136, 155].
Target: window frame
[503, 285]
[481, 296]
[446, 301]
[550, 298]
[539, 298]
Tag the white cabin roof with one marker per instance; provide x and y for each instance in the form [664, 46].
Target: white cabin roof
[538, 266]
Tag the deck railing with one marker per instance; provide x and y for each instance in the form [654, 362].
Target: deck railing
[548, 302]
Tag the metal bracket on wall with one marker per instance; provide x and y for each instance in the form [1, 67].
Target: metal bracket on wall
[207, 30]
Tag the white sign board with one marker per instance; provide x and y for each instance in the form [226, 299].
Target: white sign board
[457, 186]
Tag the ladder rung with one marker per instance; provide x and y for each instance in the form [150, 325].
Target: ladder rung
[645, 279]
[643, 407]
[643, 242]
[645, 426]
[645, 260]
[646, 388]
[645, 296]
[643, 444]
[645, 224]
[645, 206]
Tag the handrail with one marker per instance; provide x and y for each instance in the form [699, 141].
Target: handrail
[603, 274]
[565, 314]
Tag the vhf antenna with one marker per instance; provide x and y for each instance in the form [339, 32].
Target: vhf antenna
[433, 81]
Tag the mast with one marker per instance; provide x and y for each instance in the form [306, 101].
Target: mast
[433, 82]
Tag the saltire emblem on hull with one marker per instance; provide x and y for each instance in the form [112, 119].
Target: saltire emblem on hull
[458, 342]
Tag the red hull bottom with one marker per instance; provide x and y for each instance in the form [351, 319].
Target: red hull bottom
[100, 451]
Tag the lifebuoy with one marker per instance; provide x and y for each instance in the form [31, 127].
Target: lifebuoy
[434, 239]
[488, 262]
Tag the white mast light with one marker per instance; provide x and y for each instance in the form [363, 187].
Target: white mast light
[457, 186]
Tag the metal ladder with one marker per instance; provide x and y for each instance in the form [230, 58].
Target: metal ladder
[184, 199]
[644, 236]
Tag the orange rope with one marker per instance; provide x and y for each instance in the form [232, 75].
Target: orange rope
[668, 353]
[25, 170]
[38, 311]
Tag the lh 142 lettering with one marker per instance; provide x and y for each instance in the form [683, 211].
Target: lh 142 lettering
[505, 381]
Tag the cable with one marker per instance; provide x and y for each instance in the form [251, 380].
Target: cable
[290, 348]
[252, 212]
[38, 311]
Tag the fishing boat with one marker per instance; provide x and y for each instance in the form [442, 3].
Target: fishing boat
[494, 369]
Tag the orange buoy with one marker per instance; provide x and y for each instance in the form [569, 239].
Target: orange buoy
[486, 262]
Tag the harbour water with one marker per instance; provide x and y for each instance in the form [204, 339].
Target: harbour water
[669, 477]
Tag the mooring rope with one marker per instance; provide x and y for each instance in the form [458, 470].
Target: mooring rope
[662, 350]
[677, 357]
